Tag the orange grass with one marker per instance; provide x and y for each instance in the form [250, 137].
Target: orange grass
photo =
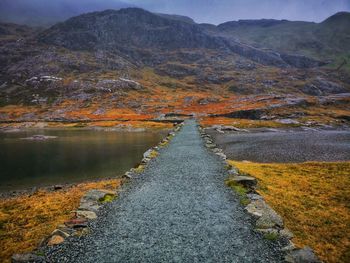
[313, 199]
[26, 220]
[242, 123]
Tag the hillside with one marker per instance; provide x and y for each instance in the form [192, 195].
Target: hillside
[110, 30]
[131, 64]
[327, 40]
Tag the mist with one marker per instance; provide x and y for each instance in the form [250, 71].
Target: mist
[43, 12]
[219, 11]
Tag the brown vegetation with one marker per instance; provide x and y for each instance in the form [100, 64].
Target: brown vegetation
[313, 199]
[26, 220]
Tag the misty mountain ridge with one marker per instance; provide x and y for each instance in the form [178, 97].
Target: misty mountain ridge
[47, 13]
[140, 61]
[328, 39]
[134, 31]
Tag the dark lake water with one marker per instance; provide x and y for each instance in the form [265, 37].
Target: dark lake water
[74, 156]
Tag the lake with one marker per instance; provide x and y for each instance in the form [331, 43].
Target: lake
[74, 156]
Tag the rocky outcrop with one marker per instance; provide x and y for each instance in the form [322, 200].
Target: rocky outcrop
[320, 87]
[299, 61]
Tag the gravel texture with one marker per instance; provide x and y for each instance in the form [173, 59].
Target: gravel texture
[178, 210]
[285, 146]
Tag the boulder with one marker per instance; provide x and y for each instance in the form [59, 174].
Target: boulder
[97, 195]
[86, 214]
[60, 232]
[55, 240]
[210, 145]
[231, 128]
[287, 121]
[148, 154]
[305, 255]
[92, 200]
[145, 160]
[57, 187]
[76, 223]
[267, 217]
[89, 206]
[222, 155]
[217, 150]
[129, 175]
[233, 171]
[65, 229]
[289, 247]
[286, 233]
[246, 181]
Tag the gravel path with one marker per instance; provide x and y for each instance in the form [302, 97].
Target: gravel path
[179, 210]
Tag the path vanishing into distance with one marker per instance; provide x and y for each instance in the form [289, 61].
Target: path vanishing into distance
[178, 210]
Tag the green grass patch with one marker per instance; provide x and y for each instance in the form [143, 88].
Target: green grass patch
[107, 198]
[271, 236]
[240, 190]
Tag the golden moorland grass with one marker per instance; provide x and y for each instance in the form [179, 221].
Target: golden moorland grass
[26, 220]
[314, 200]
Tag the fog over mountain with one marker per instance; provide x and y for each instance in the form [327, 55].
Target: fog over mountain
[41, 12]
[44, 13]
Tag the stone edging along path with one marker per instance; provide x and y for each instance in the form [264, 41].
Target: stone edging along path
[267, 220]
[90, 204]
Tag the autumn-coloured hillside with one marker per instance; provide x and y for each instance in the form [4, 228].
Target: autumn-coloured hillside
[68, 74]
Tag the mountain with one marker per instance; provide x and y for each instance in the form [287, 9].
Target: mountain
[135, 32]
[127, 28]
[131, 63]
[326, 40]
[178, 17]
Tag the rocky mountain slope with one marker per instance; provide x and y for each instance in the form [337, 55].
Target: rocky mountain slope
[133, 64]
[110, 30]
[325, 40]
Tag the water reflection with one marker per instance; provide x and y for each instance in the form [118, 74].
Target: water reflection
[74, 156]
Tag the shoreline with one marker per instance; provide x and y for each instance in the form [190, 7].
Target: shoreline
[51, 188]
[48, 209]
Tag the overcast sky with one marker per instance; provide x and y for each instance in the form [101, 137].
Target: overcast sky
[202, 11]
[218, 11]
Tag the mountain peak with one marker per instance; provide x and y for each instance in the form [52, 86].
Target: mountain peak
[339, 17]
[126, 29]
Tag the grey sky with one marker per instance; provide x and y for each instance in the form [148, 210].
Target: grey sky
[218, 11]
[36, 12]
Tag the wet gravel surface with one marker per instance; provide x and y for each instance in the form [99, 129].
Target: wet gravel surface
[285, 146]
[179, 210]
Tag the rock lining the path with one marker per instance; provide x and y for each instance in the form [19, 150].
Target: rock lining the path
[90, 204]
[177, 210]
[268, 221]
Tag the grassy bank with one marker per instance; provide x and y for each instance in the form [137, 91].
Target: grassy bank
[26, 220]
[88, 124]
[313, 198]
